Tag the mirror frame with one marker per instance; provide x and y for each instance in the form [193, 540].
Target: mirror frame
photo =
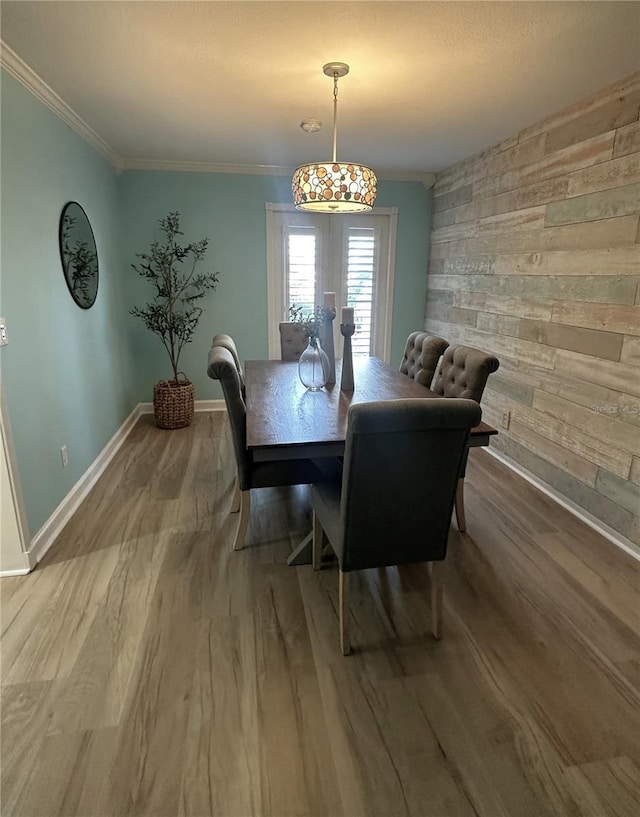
[65, 263]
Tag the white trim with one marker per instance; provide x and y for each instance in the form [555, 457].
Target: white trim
[24, 571]
[391, 278]
[6, 441]
[171, 165]
[199, 405]
[19, 70]
[176, 166]
[48, 533]
[274, 281]
[600, 527]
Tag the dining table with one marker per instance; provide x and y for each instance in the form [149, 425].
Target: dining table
[285, 420]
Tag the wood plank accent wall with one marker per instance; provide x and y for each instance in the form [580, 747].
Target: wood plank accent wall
[535, 256]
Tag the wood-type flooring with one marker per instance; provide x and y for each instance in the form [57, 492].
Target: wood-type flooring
[149, 670]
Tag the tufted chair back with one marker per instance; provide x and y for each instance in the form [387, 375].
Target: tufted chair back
[464, 372]
[293, 340]
[228, 343]
[222, 367]
[421, 355]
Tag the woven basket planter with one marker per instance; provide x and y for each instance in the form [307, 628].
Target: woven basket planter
[173, 403]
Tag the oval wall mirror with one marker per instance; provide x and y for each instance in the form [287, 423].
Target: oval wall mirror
[79, 254]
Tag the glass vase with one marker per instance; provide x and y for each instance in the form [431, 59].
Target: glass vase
[313, 366]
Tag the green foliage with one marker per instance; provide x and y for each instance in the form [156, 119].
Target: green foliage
[171, 268]
[81, 262]
[312, 321]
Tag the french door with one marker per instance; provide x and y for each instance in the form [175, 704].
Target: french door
[352, 255]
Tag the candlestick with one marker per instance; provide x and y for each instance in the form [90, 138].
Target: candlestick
[347, 315]
[330, 300]
[347, 330]
[326, 337]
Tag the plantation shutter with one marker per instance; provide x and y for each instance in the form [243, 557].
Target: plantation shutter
[361, 264]
[301, 264]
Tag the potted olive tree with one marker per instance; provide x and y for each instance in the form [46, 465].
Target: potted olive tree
[172, 270]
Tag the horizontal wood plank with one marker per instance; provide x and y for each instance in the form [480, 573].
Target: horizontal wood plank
[627, 140]
[557, 453]
[606, 289]
[618, 318]
[620, 201]
[586, 341]
[505, 305]
[616, 173]
[598, 452]
[606, 117]
[602, 426]
[620, 376]
[610, 261]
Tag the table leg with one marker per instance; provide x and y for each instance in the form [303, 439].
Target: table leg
[302, 553]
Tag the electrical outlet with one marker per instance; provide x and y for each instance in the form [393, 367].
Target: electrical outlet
[3, 332]
[506, 419]
[64, 456]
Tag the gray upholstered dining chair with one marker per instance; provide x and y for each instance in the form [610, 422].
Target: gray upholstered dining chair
[228, 343]
[394, 503]
[293, 340]
[270, 474]
[463, 373]
[421, 355]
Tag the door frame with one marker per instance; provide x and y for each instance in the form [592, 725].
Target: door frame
[275, 269]
[15, 556]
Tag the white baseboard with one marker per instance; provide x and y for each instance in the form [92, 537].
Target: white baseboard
[21, 571]
[589, 519]
[199, 405]
[48, 533]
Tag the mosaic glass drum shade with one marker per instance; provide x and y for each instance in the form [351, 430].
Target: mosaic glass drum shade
[334, 187]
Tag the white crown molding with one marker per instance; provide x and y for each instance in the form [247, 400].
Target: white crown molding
[19, 69]
[178, 166]
[427, 179]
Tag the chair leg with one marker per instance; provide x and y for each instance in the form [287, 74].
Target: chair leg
[343, 603]
[318, 538]
[435, 569]
[235, 502]
[460, 519]
[243, 522]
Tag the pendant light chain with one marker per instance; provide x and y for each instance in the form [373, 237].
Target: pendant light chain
[335, 115]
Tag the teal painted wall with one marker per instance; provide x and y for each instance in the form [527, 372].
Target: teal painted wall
[66, 372]
[230, 211]
[412, 251]
[72, 376]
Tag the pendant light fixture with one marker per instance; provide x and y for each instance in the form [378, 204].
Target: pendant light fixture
[334, 187]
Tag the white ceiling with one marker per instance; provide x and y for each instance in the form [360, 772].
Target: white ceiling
[229, 82]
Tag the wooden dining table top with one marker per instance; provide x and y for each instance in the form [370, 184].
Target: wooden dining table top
[282, 413]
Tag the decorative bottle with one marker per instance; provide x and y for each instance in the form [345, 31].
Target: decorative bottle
[313, 366]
